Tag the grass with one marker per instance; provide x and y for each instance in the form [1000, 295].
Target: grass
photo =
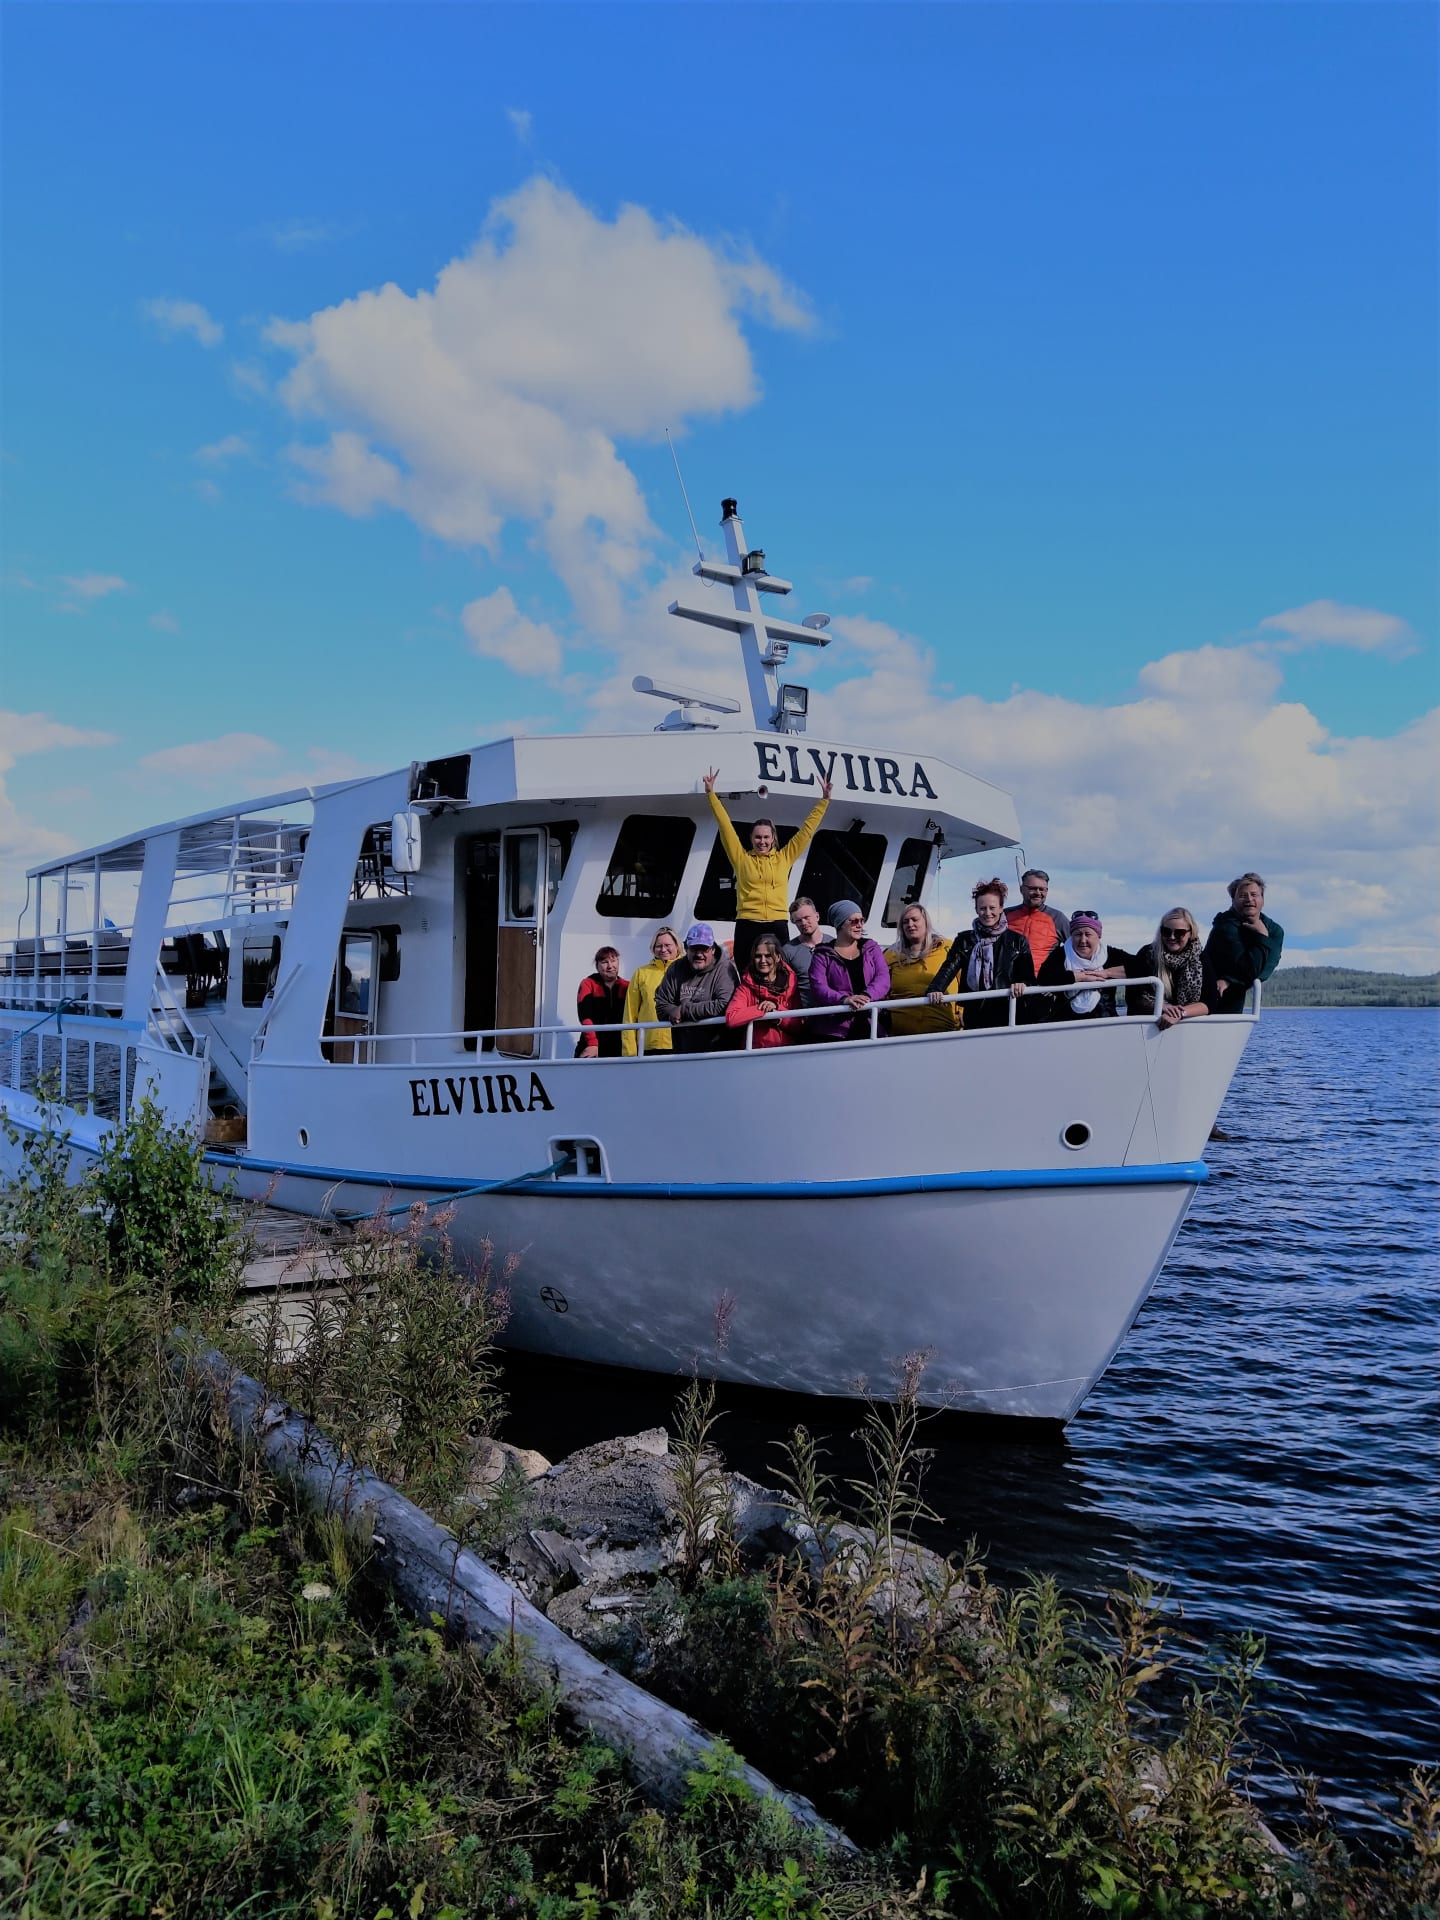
[206, 1708]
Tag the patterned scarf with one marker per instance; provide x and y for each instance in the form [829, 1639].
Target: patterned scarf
[980, 975]
[1183, 976]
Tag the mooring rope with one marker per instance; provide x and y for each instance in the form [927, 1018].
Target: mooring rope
[464, 1193]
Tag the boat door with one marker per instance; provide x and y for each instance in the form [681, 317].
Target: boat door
[524, 869]
[350, 1021]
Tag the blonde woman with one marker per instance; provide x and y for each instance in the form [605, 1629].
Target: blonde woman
[1175, 955]
[914, 961]
[640, 1000]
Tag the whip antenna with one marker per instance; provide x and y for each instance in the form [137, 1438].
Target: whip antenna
[683, 494]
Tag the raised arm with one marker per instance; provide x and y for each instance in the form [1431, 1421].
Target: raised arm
[729, 839]
[795, 847]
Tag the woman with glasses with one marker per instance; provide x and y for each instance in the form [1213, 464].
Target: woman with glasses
[640, 1000]
[848, 973]
[1175, 955]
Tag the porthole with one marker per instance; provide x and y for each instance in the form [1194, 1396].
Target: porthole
[1075, 1136]
[304, 1136]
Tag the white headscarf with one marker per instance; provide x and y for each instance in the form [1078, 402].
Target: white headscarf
[1087, 1001]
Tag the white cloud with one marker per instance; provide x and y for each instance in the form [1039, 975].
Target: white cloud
[231, 753]
[1327, 623]
[207, 491]
[522, 124]
[164, 621]
[300, 236]
[219, 453]
[500, 394]
[499, 630]
[184, 316]
[1162, 798]
[247, 377]
[24, 841]
[90, 587]
[858, 583]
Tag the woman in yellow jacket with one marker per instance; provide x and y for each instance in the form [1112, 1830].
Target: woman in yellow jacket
[913, 964]
[640, 1000]
[762, 872]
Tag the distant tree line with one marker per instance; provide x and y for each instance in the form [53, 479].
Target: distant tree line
[1350, 987]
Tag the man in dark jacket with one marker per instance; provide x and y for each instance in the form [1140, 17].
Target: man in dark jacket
[1244, 945]
[699, 986]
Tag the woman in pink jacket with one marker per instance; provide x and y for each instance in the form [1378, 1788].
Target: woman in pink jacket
[768, 985]
[848, 975]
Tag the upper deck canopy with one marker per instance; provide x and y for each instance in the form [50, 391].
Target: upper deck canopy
[547, 768]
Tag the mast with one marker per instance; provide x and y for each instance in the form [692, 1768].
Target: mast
[765, 642]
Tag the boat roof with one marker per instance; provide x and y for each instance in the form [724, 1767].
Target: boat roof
[616, 768]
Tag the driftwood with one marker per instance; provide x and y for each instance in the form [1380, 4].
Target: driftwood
[434, 1576]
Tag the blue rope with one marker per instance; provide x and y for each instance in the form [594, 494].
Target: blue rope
[63, 1007]
[464, 1193]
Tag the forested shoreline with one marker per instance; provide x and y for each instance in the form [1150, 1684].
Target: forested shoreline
[1350, 987]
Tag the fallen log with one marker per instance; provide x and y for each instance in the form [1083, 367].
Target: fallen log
[434, 1576]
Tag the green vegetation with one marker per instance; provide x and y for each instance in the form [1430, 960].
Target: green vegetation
[207, 1709]
[1350, 987]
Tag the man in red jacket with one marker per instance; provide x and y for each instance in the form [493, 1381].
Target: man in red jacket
[1044, 927]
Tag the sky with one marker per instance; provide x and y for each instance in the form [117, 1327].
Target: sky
[1079, 360]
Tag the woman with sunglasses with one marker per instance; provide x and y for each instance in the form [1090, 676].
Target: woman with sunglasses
[1175, 955]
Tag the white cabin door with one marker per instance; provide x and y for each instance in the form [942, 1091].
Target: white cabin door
[524, 872]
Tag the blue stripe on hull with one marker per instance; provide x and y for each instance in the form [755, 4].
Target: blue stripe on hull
[1186, 1173]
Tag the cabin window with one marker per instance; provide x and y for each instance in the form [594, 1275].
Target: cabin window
[646, 867]
[911, 872]
[716, 899]
[259, 967]
[355, 977]
[843, 866]
[522, 877]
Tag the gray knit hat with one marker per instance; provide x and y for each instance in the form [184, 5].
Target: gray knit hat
[843, 910]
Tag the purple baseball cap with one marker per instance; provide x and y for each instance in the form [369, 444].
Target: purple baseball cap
[700, 935]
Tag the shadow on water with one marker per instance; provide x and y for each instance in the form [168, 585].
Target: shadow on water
[994, 1480]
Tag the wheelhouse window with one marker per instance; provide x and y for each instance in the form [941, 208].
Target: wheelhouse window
[522, 877]
[646, 867]
[912, 870]
[716, 899]
[843, 866]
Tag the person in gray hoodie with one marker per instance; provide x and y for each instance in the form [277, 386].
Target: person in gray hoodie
[699, 986]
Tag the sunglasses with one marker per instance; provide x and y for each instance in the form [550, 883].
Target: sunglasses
[1175, 933]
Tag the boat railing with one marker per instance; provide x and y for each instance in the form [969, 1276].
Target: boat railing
[559, 1039]
[98, 1064]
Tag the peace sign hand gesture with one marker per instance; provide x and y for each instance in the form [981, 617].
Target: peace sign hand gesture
[711, 777]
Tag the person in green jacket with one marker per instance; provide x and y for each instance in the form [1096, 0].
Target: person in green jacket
[1244, 944]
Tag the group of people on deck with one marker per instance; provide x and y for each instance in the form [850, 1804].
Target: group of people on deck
[782, 958]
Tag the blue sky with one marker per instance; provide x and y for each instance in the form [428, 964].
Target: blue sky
[1052, 349]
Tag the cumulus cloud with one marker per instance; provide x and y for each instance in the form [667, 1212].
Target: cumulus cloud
[522, 124]
[184, 316]
[1163, 797]
[1327, 623]
[500, 394]
[499, 630]
[219, 453]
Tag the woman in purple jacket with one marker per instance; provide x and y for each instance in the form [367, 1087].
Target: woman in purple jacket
[848, 973]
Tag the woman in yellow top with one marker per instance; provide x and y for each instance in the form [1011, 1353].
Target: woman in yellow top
[762, 873]
[640, 1000]
[913, 964]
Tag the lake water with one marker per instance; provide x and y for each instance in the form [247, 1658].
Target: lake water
[1265, 1444]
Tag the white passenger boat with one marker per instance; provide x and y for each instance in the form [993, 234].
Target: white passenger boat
[364, 993]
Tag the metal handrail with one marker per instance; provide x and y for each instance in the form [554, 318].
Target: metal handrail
[366, 1045]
